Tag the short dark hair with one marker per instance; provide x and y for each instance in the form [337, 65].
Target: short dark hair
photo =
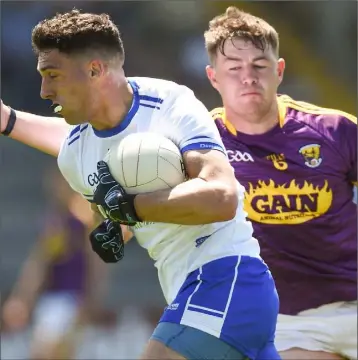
[75, 33]
[236, 23]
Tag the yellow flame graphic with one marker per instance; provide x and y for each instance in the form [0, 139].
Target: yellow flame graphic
[291, 203]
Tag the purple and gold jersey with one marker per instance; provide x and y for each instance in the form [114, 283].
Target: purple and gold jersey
[299, 182]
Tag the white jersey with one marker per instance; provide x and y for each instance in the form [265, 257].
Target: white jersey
[172, 110]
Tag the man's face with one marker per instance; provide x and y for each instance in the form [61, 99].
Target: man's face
[246, 77]
[66, 80]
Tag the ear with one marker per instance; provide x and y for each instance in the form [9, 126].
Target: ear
[97, 68]
[281, 65]
[211, 74]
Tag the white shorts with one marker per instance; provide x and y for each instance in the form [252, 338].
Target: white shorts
[331, 328]
[54, 315]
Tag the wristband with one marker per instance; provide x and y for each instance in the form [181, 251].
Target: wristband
[10, 124]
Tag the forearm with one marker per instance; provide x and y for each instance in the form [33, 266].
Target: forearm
[43, 133]
[96, 286]
[31, 281]
[193, 202]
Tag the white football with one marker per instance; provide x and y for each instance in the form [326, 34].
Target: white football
[146, 162]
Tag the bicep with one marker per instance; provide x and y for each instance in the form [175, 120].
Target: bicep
[209, 165]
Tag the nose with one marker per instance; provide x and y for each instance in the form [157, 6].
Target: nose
[46, 91]
[249, 77]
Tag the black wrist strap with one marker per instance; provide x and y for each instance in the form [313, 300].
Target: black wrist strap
[10, 124]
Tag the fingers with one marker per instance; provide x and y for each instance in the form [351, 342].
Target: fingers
[102, 168]
[107, 242]
[104, 174]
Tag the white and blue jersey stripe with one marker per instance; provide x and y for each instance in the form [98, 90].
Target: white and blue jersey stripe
[151, 102]
[75, 134]
[201, 143]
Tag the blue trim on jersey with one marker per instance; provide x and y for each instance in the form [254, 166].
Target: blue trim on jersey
[150, 106]
[73, 140]
[151, 98]
[127, 120]
[75, 131]
[198, 137]
[202, 146]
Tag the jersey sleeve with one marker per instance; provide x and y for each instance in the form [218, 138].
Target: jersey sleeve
[341, 130]
[190, 124]
[348, 129]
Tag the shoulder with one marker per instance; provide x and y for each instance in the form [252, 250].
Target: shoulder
[72, 141]
[163, 93]
[75, 133]
[328, 122]
[177, 104]
[70, 152]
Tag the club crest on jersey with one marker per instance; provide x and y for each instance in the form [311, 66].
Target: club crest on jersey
[312, 155]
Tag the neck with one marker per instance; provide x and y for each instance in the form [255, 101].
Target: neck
[116, 100]
[254, 123]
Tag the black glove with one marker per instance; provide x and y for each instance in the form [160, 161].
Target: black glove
[107, 241]
[116, 204]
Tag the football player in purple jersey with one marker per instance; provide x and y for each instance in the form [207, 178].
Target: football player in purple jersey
[298, 163]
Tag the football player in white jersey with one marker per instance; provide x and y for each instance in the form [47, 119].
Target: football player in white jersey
[222, 301]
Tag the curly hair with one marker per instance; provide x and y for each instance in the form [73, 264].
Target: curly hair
[236, 23]
[75, 33]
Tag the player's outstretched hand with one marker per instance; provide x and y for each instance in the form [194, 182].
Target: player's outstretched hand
[114, 201]
[107, 241]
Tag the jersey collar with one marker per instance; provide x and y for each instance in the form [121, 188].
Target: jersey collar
[127, 120]
[282, 109]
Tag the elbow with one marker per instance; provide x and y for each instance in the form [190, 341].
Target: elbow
[226, 206]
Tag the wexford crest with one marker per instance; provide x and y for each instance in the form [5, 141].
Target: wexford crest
[311, 154]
